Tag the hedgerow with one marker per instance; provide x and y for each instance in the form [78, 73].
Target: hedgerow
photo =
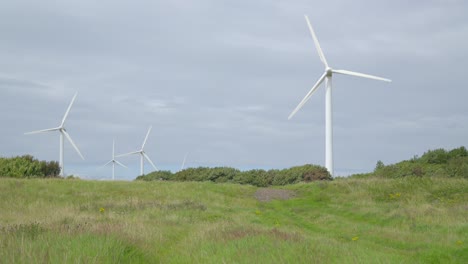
[256, 177]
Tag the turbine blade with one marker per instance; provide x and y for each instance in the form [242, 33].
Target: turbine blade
[345, 72]
[43, 130]
[317, 44]
[107, 163]
[120, 164]
[129, 153]
[308, 95]
[68, 110]
[73, 144]
[146, 138]
[183, 162]
[149, 160]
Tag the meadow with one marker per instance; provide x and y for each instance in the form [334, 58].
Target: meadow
[353, 220]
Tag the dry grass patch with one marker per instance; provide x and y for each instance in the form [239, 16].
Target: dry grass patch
[268, 194]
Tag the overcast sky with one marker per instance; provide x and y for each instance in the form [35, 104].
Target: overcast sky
[218, 79]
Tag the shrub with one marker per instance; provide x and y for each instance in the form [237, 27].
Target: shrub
[222, 174]
[27, 166]
[260, 178]
[458, 167]
[316, 174]
[306, 173]
[379, 165]
[156, 175]
[192, 174]
[256, 177]
[437, 156]
[458, 153]
[433, 163]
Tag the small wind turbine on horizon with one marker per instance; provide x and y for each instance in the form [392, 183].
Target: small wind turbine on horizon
[63, 133]
[183, 162]
[113, 161]
[142, 153]
[327, 77]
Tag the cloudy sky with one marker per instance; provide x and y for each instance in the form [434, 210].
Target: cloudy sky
[218, 79]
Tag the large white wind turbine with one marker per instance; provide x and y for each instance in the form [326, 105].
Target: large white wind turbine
[327, 76]
[142, 153]
[63, 133]
[113, 161]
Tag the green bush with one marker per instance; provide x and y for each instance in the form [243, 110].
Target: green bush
[222, 174]
[246, 177]
[433, 163]
[437, 156]
[260, 178]
[27, 166]
[192, 174]
[458, 167]
[156, 175]
[458, 153]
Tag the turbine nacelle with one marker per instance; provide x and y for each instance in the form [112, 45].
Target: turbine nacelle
[328, 71]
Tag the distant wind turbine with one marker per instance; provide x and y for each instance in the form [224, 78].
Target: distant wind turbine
[327, 76]
[113, 161]
[142, 155]
[183, 162]
[63, 133]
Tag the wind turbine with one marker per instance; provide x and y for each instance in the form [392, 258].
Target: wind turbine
[142, 154]
[327, 77]
[113, 161]
[183, 162]
[63, 133]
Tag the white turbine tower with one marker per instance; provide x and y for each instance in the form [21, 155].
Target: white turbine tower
[327, 76]
[63, 133]
[142, 153]
[113, 161]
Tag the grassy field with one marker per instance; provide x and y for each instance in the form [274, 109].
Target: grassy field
[412, 220]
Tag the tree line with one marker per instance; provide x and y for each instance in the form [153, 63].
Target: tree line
[433, 163]
[257, 177]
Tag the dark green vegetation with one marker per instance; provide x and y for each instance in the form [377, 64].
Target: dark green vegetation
[259, 178]
[433, 163]
[369, 220]
[27, 166]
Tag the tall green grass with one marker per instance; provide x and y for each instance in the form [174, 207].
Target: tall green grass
[408, 220]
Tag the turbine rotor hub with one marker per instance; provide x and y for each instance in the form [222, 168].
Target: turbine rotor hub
[329, 71]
